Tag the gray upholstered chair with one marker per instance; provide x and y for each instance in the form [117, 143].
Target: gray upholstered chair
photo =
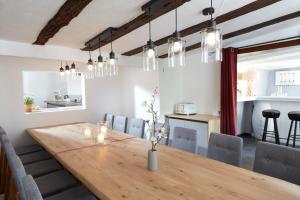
[120, 124]
[41, 168]
[136, 127]
[24, 149]
[164, 141]
[32, 192]
[35, 157]
[110, 119]
[278, 161]
[184, 139]
[16, 168]
[49, 184]
[225, 148]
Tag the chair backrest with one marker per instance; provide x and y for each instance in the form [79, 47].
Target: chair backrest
[225, 148]
[164, 141]
[185, 139]
[120, 123]
[110, 119]
[15, 165]
[136, 127]
[278, 161]
[31, 190]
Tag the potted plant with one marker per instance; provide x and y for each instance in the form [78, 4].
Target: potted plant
[156, 134]
[28, 101]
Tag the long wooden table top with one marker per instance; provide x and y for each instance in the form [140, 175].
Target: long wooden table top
[119, 171]
[58, 139]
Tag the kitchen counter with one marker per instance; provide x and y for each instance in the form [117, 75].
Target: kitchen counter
[267, 98]
[196, 118]
[203, 124]
[62, 103]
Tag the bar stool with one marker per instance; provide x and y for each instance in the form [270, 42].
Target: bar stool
[294, 117]
[273, 114]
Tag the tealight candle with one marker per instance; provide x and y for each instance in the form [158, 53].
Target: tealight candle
[104, 129]
[100, 138]
[87, 132]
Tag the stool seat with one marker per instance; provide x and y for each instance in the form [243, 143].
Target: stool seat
[294, 115]
[271, 113]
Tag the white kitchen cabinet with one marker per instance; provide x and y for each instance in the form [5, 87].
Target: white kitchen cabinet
[203, 124]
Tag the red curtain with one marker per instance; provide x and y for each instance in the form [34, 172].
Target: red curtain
[229, 92]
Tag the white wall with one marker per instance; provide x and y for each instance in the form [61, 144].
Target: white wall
[196, 82]
[111, 94]
[122, 95]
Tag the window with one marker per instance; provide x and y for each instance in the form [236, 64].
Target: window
[46, 91]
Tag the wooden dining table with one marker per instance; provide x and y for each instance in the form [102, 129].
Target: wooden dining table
[116, 168]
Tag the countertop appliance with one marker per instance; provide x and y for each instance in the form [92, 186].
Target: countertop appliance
[185, 109]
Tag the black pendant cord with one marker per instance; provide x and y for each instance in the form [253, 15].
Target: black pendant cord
[176, 22]
[211, 18]
[111, 41]
[90, 53]
[150, 24]
[99, 47]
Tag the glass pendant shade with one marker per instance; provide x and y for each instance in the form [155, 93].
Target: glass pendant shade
[100, 67]
[112, 64]
[61, 71]
[150, 57]
[176, 52]
[67, 69]
[211, 44]
[73, 68]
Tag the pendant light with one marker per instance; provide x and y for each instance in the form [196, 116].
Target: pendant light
[61, 70]
[89, 74]
[67, 69]
[150, 52]
[176, 50]
[73, 68]
[211, 41]
[112, 62]
[100, 64]
[90, 62]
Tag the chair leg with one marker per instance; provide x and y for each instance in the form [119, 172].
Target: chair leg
[289, 135]
[8, 183]
[265, 130]
[295, 133]
[276, 132]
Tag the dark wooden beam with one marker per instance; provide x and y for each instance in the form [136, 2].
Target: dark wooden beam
[269, 46]
[256, 5]
[69, 10]
[247, 29]
[139, 21]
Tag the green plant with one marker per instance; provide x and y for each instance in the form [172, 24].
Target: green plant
[28, 100]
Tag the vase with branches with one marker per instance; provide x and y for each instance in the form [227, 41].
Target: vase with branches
[156, 133]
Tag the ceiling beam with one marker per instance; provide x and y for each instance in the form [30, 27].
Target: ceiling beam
[270, 45]
[165, 7]
[256, 5]
[247, 29]
[69, 10]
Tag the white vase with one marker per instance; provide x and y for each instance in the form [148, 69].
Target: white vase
[152, 160]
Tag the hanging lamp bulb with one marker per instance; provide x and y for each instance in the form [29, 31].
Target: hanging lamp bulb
[73, 68]
[150, 52]
[176, 48]
[90, 62]
[67, 69]
[61, 70]
[211, 39]
[112, 61]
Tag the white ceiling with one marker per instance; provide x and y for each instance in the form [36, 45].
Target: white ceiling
[270, 60]
[22, 21]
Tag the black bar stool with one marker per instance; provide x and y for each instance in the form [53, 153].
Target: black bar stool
[273, 114]
[294, 117]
